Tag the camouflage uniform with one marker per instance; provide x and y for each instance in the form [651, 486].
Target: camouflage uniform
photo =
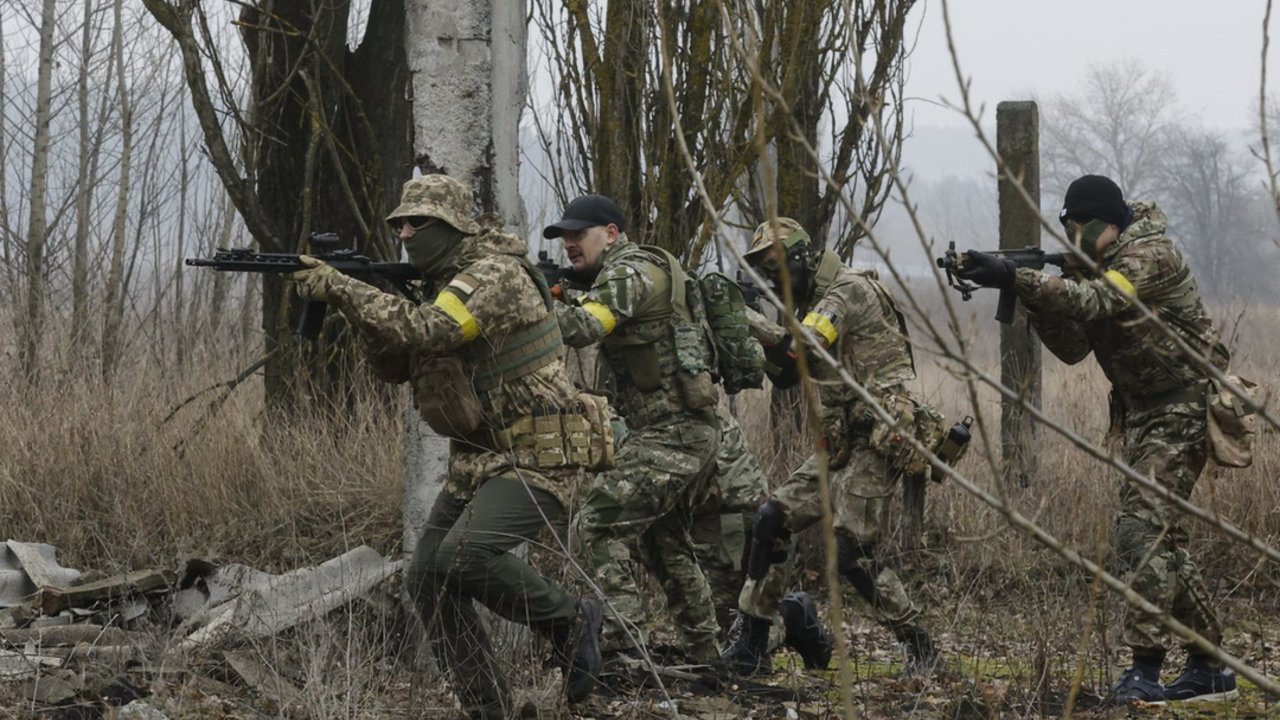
[663, 467]
[854, 312]
[722, 521]
[502, 487]
[1158, 404]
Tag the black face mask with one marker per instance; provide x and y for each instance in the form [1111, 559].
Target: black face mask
[430, 248]
[801, 275]
[797, 269]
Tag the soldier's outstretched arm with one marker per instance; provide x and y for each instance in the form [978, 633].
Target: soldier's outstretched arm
[612, 301]
[1091, 299]
[470, 305]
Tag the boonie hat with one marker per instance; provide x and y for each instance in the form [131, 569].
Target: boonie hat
[438, 196]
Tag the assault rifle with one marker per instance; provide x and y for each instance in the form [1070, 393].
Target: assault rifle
[557, 275]
[952, 262]
[751, 292]
[324, 247]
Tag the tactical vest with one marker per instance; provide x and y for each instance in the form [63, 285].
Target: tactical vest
[521, 352]
[649, 353]
[452, 391]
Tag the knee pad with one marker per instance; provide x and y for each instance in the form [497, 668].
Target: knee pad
[770, 529]
[849, 556]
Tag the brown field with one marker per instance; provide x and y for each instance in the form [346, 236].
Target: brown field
[117, 480]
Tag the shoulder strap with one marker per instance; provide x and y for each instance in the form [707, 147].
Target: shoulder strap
[679, 302]
[539, 280]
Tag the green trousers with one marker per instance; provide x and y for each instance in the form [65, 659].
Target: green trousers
[463, 557]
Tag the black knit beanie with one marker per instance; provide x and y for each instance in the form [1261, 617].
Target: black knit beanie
[1094, 197]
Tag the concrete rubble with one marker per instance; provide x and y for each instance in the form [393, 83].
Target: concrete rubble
[76, 639]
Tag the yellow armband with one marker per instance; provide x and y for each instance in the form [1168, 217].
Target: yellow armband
[458, 312]
[822, 324]
[601, 312]
[1122, 282]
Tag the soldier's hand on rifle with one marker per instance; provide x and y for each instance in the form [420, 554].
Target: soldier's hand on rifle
[987, 270]
[316, 281]
[780, 363]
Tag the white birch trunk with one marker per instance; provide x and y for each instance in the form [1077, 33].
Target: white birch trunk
[467, 61]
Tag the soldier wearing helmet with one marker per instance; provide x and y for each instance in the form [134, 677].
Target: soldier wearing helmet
[853, 316]
[486, 363]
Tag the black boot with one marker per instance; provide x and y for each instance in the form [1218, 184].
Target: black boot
[578, 649]
[1202, 680]
[922, 657]
[805, 632]
[1140, 683]
[749, 653]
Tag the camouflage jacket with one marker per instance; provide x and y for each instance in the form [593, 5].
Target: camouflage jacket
[1077, 316]
[488, 298]
[856, 315]
[628, 310]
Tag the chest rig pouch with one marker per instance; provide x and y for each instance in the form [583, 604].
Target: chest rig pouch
[667, 342]
[448, 388]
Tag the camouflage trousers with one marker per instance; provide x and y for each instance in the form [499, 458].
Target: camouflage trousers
[722, 521]
[1150, 545]
[463, 557]
[861, 492]
[645, 504]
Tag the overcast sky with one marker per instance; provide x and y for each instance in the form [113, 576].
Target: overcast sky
[1208, 50]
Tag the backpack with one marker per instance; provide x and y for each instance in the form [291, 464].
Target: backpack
[721, 311]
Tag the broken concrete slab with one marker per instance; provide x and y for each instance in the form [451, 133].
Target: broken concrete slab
[69, 635]
[54, 687]
[52, 600]
[26, 567]
[264, 680]
[267, 604]
[20, 665]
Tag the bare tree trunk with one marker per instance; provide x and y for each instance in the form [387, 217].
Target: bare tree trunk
[478, 71]
[113, 308]
[84, 197]
[31, 324]
[6, 246]
[179, 291]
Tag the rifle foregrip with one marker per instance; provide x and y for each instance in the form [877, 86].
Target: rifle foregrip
[312, 319]
[1005, 306]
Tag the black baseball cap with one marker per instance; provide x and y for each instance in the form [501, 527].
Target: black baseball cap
[584, 212]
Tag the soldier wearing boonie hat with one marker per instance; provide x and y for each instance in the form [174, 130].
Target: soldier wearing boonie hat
[486, 363]
[853, 315]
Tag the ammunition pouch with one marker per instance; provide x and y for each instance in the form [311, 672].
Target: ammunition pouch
[555, 438]
[1231, 425]
[446, 397]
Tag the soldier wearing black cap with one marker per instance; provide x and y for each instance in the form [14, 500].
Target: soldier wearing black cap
[638, 311]
[1157, 403]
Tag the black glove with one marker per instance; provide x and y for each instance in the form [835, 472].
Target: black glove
[780, 365]
[987, 270]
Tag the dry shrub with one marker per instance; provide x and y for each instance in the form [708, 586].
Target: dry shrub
[97, 470]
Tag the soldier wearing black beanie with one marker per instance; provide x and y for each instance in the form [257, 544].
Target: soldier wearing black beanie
[1095, 197]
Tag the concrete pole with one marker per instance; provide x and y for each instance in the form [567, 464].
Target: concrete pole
[1018, 142]
[467, 63]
